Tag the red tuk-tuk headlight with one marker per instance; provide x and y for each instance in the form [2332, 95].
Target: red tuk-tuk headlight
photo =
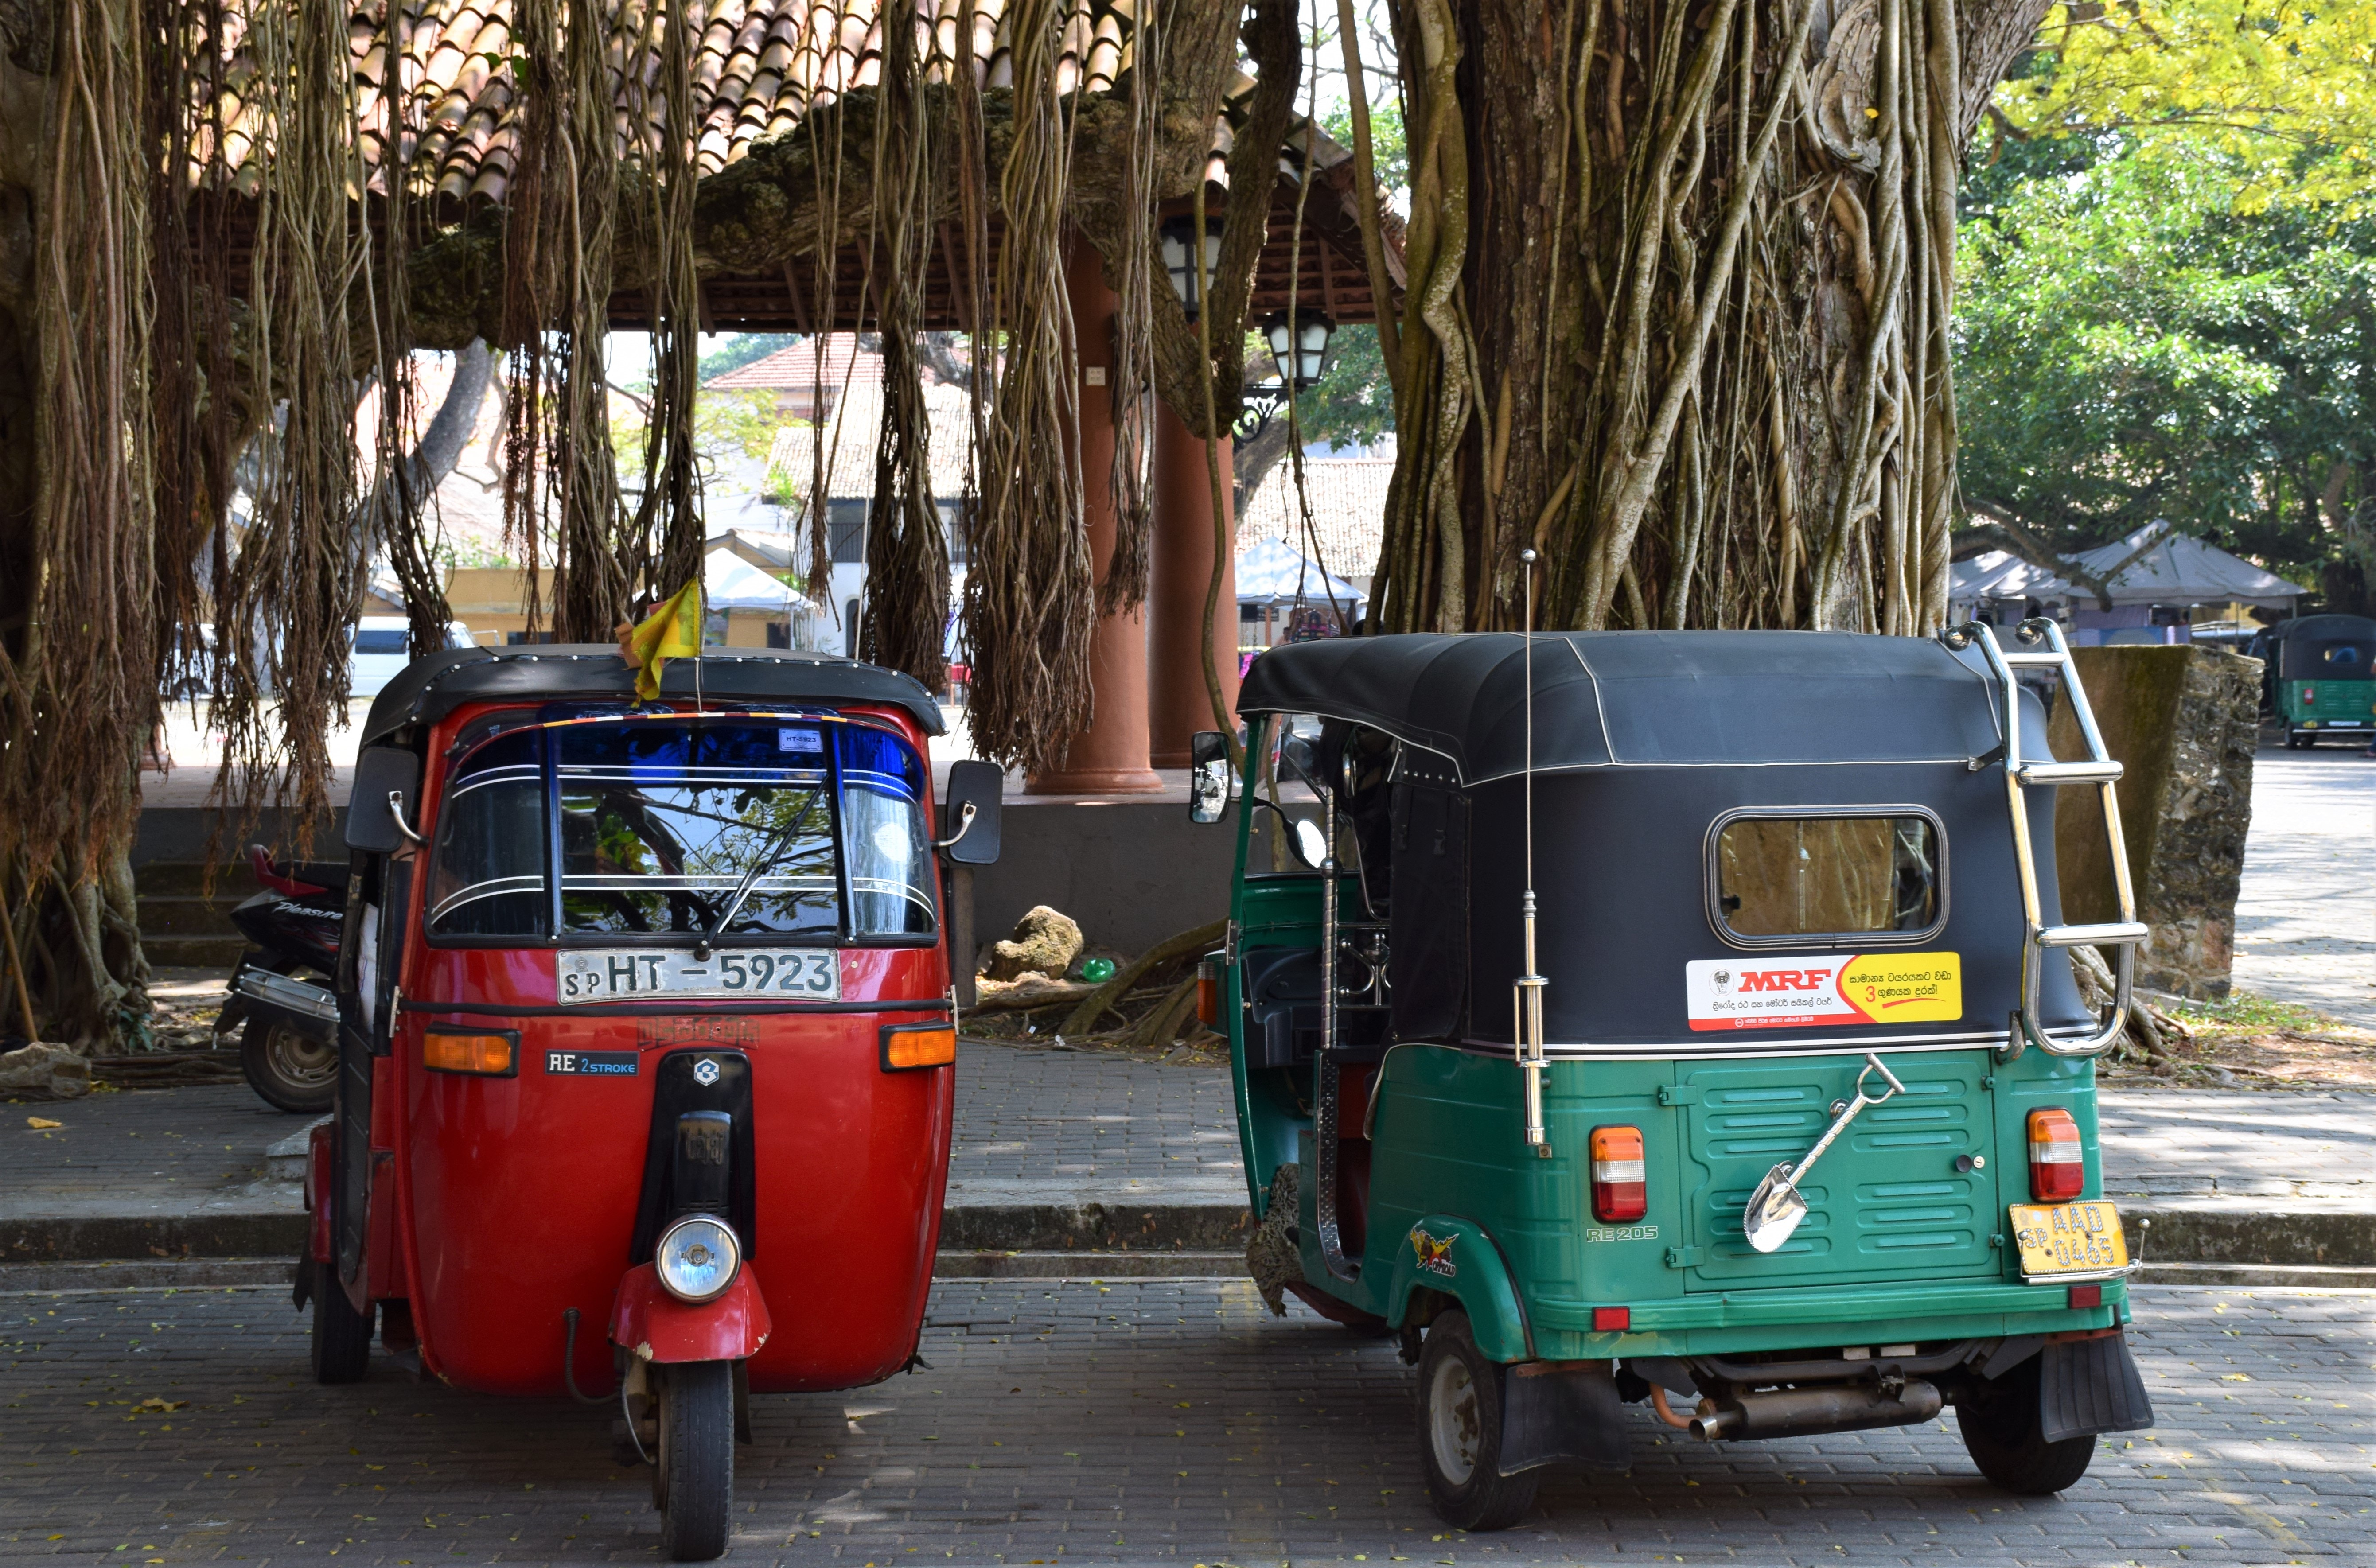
[1620, 1191]
[486, 1053]
[918, 1045]
[697, 1258]
[2058, 1169]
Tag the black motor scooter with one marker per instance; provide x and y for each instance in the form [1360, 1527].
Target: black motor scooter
[288, 1040]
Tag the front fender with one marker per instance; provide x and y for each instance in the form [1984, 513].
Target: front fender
[655, 1327]
[1457, 1257]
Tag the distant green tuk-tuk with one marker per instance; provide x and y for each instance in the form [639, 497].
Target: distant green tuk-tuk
[1678, 1019]
[2318, 678]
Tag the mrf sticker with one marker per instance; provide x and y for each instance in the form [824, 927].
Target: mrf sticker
[1807, 990]
[1435, 1254]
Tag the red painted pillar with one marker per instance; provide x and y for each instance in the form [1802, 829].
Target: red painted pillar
[1177, 703]
[1109, 757]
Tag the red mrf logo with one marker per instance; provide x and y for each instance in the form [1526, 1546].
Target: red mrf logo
[1785, 980]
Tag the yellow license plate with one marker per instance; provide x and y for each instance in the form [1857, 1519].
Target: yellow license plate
[2083, 1236]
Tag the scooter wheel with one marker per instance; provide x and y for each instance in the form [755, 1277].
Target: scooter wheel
[342, 1336]
[696, 1459]
[288, 1071]
[1460, 1432]
[2002, 1434]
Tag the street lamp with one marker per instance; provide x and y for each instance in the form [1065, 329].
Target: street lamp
[1178, 238]
[1300, 349]
[1300, 345]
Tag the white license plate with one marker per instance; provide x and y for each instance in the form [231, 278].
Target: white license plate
[636, 974]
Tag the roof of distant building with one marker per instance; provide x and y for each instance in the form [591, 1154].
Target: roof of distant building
[833, 360]
[1349, 513]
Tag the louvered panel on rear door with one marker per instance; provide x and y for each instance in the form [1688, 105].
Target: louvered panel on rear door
[1885, 1202]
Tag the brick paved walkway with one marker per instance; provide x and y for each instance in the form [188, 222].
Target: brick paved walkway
[1156, 1420]
[1032, 1123]
[2306, 917]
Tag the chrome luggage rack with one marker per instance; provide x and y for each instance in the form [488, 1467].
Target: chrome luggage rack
[2121, 935]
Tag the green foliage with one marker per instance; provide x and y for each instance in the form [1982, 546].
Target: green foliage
[728, 427]
[1388, 148]
[740, 349]
[1354, 404]
[2282, 93]
[2130, 345]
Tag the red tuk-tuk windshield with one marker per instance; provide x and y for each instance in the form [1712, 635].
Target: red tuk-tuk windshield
[658, 825]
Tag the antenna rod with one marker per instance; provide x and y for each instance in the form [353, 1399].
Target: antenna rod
[1528, 992]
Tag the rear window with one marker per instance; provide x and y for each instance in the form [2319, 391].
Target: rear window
[763, 830]
[1778, 878]
[383, 642]
[2345, 659]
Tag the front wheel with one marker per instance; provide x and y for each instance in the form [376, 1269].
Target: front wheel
[1460, 1432]
[2006, 1439]
[695, 1465]
[289, 1070]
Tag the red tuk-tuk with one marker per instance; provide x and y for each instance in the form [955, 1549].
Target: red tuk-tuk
[645, 1034]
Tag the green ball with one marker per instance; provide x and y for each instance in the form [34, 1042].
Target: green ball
[1097, 971]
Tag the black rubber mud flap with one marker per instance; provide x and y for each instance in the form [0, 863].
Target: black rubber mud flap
[1572, 1414]
[2086, 1386]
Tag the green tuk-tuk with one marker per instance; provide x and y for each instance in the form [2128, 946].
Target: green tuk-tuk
[2318, 678]
[1677, 1020]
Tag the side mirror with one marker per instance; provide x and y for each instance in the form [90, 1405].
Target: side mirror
[383, 810]
[1311, 845]
[969, 813]
[1208, 775]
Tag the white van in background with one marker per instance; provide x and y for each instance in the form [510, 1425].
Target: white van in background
[383, 647]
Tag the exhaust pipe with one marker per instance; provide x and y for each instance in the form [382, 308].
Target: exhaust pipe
[1807, 1412]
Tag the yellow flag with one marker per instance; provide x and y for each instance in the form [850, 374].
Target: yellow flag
[673, 631]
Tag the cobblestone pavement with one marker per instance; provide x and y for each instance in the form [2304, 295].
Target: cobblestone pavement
[2306, 917]
[1025, 1114]
[2276, 1143]
[185, 1146]
[1148, 1420]
[1090, 1125]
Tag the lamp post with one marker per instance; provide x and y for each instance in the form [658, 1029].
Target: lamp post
[1178, 239]
[1299, 347]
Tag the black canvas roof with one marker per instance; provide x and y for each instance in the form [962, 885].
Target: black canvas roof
[1641, 698]
[433, 687]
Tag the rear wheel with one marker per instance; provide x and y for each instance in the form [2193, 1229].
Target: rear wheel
[342, 1336]
[2000, 1423]
[290, 1072]
[1460, 1432]
[695, 1471]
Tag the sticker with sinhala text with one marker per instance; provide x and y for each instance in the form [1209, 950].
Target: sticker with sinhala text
[1806, 990]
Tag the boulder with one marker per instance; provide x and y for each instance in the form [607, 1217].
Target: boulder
[2183, 721]
[1044, 939]
[44, 1069]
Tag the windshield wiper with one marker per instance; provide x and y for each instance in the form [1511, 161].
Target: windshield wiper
[766, 858]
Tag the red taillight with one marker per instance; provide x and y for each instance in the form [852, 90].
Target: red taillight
[1612, 1320]
[2058, 1170]
[1619, 1191]
[2310, 694]
[2086, 1295]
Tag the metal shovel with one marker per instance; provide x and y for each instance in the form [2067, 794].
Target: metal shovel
[1777, 1207]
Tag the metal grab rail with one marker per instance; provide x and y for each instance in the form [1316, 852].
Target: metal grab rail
[2121, 935]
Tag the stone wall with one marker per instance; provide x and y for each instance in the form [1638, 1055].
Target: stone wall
[2185, 722]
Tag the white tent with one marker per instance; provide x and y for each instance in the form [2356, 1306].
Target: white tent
[2157, 564]
[1271, 573]
[1999, 574]
[730, 582]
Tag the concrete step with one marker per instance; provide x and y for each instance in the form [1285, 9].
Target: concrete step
[193, 951]
[177, 914]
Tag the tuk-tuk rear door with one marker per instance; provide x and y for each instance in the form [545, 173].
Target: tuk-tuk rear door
[1886, 1201]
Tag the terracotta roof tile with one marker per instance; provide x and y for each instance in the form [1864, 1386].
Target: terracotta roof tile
[757, 66]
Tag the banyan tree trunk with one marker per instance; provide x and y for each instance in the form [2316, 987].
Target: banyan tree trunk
[1681, 273]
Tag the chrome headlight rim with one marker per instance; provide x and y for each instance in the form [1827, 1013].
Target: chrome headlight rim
[730, 1243]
